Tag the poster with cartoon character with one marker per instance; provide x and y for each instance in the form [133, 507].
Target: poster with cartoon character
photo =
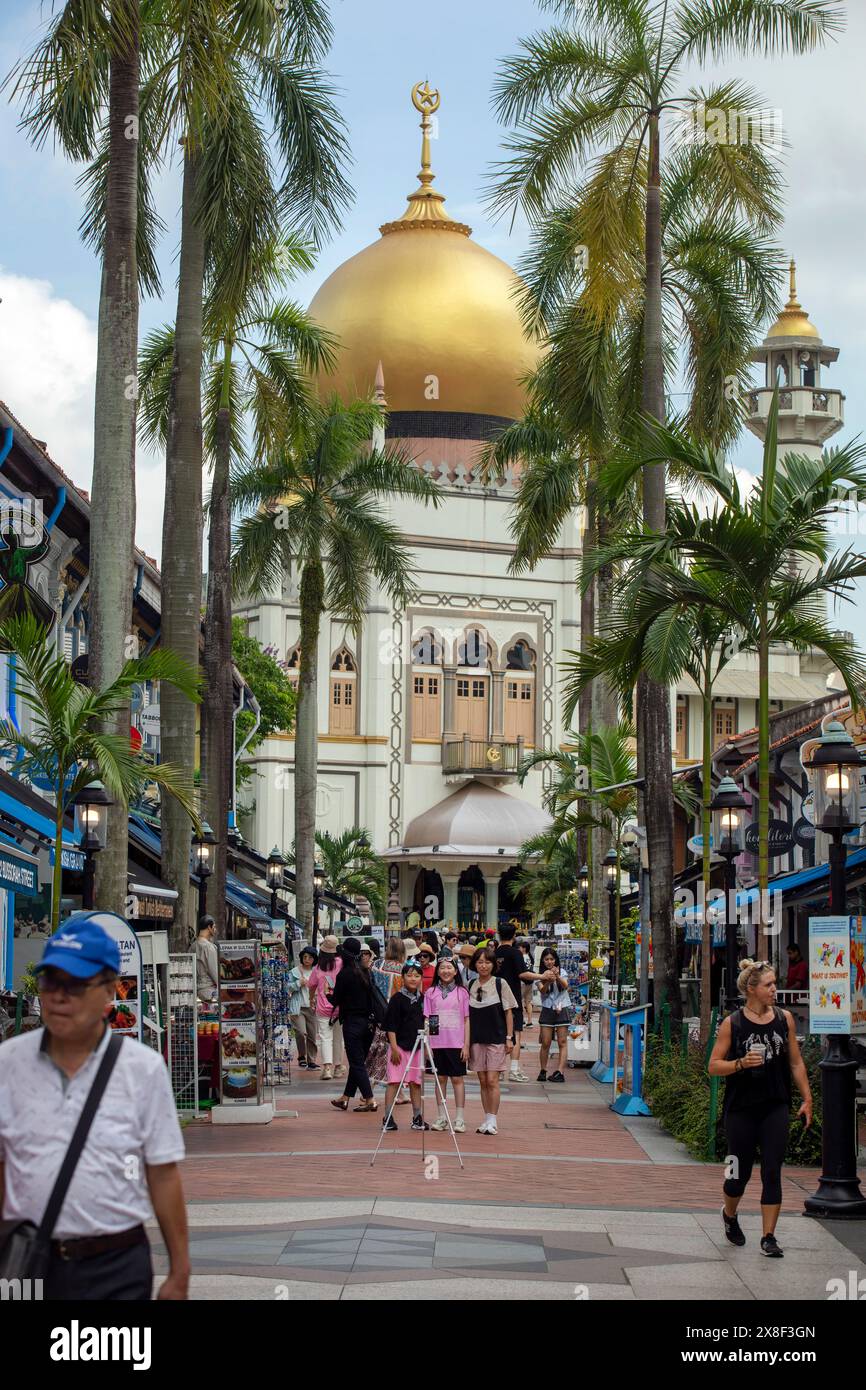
[830, 975]
[858, 975]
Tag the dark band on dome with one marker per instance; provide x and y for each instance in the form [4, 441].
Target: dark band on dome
[443, 424]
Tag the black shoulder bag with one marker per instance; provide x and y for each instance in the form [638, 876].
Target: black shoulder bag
[25, 1247]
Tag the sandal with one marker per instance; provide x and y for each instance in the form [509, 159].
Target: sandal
[367, 1107]
[341, 1103]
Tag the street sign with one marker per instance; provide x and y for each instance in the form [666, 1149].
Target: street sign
[148, 720]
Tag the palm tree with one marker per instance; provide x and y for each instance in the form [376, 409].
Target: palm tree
[321, 510]
[258, 351]
[546, 875]
[764, 561]
[351, 867]
[67, 742]
[100, 106]
[695, 639]
[603, 82]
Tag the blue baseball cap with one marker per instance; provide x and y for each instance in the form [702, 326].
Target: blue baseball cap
[82, 947]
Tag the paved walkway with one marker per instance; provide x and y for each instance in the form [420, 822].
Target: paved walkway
[567, 1201]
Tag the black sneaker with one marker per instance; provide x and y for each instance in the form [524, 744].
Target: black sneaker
[302, 1066]
[556, 1076]
[733, 1229]
[313, 1066]
[418, 1123]
[770, 1246]
[542, 1076]
[389, 1125]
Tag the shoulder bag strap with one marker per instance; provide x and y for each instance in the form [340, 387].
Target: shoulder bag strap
[79, 1138]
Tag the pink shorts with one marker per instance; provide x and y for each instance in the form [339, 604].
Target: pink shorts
[395, 1073]
[488, 1057]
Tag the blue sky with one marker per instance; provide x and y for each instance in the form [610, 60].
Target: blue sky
[49, 282]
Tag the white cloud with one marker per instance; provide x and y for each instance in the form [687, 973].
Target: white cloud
[47, 379]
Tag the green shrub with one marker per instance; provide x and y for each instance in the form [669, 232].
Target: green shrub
[677, 1091]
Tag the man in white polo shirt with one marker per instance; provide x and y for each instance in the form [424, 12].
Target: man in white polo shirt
[128, 1168]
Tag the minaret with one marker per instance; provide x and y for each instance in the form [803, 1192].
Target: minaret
[379, 398]
[793, 355]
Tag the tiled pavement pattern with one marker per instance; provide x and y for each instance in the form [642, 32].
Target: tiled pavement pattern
[567, 1201]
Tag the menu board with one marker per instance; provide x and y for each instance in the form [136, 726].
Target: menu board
[240, 1021]
[124, 1016]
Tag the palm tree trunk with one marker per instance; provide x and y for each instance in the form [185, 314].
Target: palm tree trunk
[706, 797]
[307, 742]
[763, 783]
[217, 701]
[112, 521]
[181, 541]
[654, 729]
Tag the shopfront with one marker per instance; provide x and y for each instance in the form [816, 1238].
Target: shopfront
[19, 880]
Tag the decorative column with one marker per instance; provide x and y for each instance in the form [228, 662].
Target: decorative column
[448, 705]
[449, 887]
[491, 897]
[498, 727]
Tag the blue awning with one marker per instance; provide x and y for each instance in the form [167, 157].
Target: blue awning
[791, 882]
[243, 898]
[34, 820]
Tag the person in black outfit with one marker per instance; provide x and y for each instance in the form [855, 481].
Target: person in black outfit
[404, 1019]
[757, 1051]
[353, 1006]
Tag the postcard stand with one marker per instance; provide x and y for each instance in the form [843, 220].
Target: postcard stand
[242, 1089]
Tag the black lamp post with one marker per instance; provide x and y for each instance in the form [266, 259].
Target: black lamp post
[728, 810]
[275, 866]
[318, 885]
[610, 877]
[583, 884]
[836, 766]
[92, 803]
[202, 850]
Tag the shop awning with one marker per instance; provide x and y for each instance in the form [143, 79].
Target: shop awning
[800, 884]
[243, 898]
[733, 684]
[19, 803]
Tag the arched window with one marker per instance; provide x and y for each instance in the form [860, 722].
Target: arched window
[293, 664]
[344, 693]
[724, 721]
[520, 693]
[472, 699]
[426, 686]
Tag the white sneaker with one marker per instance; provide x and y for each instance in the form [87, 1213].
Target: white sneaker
[517, 1076]
[491, 1127]
[439, 1124]
[482, 1128]
[459, 1126]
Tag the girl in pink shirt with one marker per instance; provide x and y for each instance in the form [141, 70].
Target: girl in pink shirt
[321, 987]
[447, 1002]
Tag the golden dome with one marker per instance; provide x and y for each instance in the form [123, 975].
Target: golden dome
[792, 322]
[430, 304]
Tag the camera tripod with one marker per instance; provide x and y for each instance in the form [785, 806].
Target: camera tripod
[422, 1043]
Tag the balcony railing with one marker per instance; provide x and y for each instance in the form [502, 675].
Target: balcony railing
[482, 757]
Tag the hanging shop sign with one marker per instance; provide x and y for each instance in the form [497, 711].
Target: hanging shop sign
[780, 838]
[151, 907]
[830, 974]
[148, 720]
[354, 926]
[72, 859]
[124, 1016]
[804, 833]
[19, 874]
[240, 1022]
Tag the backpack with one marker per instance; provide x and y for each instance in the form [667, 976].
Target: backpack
[378, 1007]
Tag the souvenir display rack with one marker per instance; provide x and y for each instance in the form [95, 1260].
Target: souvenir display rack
[240, 1023]
[276, 1028]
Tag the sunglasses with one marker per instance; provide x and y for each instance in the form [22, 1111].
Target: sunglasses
[49, 983]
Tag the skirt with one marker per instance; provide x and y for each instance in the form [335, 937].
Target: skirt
[555, 1018]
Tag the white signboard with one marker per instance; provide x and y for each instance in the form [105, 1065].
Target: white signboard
[829, 975]
[148, 720]
[561, 929]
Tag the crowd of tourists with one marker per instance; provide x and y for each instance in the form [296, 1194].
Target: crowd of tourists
[431, 1002]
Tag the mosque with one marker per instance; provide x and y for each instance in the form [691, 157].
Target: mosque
[425, 715]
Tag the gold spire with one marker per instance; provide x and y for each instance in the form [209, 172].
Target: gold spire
[426, 206]
[793, 321]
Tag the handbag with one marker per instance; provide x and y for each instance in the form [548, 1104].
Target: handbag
[24, 1246]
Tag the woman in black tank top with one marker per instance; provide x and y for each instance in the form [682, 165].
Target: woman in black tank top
[758, 1054]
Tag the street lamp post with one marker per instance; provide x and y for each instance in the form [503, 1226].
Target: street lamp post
[728, 810]
[583, 884]
[318, 885]
[274, 872]
[202, 849]
[610, 877]
[836, 763]
[92, 803]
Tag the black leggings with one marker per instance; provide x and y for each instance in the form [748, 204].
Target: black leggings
[751, 1129]
[356, 1041]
